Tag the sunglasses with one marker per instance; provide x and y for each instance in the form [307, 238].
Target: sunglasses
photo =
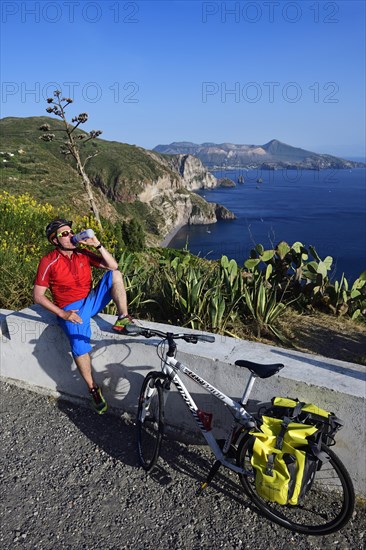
[65, 233]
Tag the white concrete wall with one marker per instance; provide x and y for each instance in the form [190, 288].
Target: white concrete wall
[35, 352]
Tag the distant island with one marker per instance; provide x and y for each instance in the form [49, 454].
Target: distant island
[274, 155]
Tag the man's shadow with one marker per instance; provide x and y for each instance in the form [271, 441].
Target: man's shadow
[110, 359]
[112, 432]
[52, 352]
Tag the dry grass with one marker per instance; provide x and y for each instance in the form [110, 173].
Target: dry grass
[335, 337]
[319, 333]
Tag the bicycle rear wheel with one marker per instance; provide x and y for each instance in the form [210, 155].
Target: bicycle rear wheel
[327, 507]
[150, 420]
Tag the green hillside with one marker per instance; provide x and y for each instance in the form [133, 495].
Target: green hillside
[31, 165]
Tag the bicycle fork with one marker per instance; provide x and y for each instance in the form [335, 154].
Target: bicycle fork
[150, 392]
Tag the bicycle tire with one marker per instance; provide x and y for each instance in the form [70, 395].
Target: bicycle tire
[327, 507]
[150, 420]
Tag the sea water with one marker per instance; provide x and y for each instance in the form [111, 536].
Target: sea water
[325, 209]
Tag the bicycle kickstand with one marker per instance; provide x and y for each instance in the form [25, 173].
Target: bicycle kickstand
[214, 469]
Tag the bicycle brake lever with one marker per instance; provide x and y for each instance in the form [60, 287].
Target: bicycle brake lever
[190, 339]
[133, 330]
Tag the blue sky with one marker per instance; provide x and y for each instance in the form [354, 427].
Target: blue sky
[152, 72]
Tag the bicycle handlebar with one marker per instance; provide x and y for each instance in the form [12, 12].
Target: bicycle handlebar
[149, 332]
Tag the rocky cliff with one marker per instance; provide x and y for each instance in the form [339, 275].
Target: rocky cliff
[194, 174]
[172, 199]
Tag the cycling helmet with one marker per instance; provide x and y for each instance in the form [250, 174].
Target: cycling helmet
[53, 226]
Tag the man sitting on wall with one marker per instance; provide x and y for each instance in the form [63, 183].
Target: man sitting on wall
[66, 271]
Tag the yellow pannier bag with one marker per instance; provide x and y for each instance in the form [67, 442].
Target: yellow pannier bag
[283, 465]
[288, 403]
[326, 422]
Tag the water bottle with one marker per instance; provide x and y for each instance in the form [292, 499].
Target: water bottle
[86, 234]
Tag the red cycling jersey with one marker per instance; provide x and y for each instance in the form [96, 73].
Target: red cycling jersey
[69, 279]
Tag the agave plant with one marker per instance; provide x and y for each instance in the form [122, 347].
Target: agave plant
[264, 305]
[184, 287]
[203, 296]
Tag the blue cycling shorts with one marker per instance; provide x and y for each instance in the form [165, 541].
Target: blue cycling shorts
[97, 299]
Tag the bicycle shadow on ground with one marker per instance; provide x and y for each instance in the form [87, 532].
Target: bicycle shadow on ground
[194, 462]
[115, 435]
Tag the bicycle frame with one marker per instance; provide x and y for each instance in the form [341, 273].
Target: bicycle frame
[170, 367]
[150, 428]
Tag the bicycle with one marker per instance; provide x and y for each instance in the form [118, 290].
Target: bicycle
[329, 503]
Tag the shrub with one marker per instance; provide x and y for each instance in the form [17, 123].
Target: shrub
[23, 242]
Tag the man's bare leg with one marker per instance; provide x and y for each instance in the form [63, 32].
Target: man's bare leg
[83, 363]
[118, 292]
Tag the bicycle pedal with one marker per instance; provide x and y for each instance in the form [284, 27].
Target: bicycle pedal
[201, 488]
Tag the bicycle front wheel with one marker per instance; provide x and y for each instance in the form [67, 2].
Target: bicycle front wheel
[150, 420]
[327, 506]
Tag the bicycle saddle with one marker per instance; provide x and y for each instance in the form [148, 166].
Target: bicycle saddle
[257, 369]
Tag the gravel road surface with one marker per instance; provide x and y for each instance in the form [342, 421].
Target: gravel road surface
[70, 480]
